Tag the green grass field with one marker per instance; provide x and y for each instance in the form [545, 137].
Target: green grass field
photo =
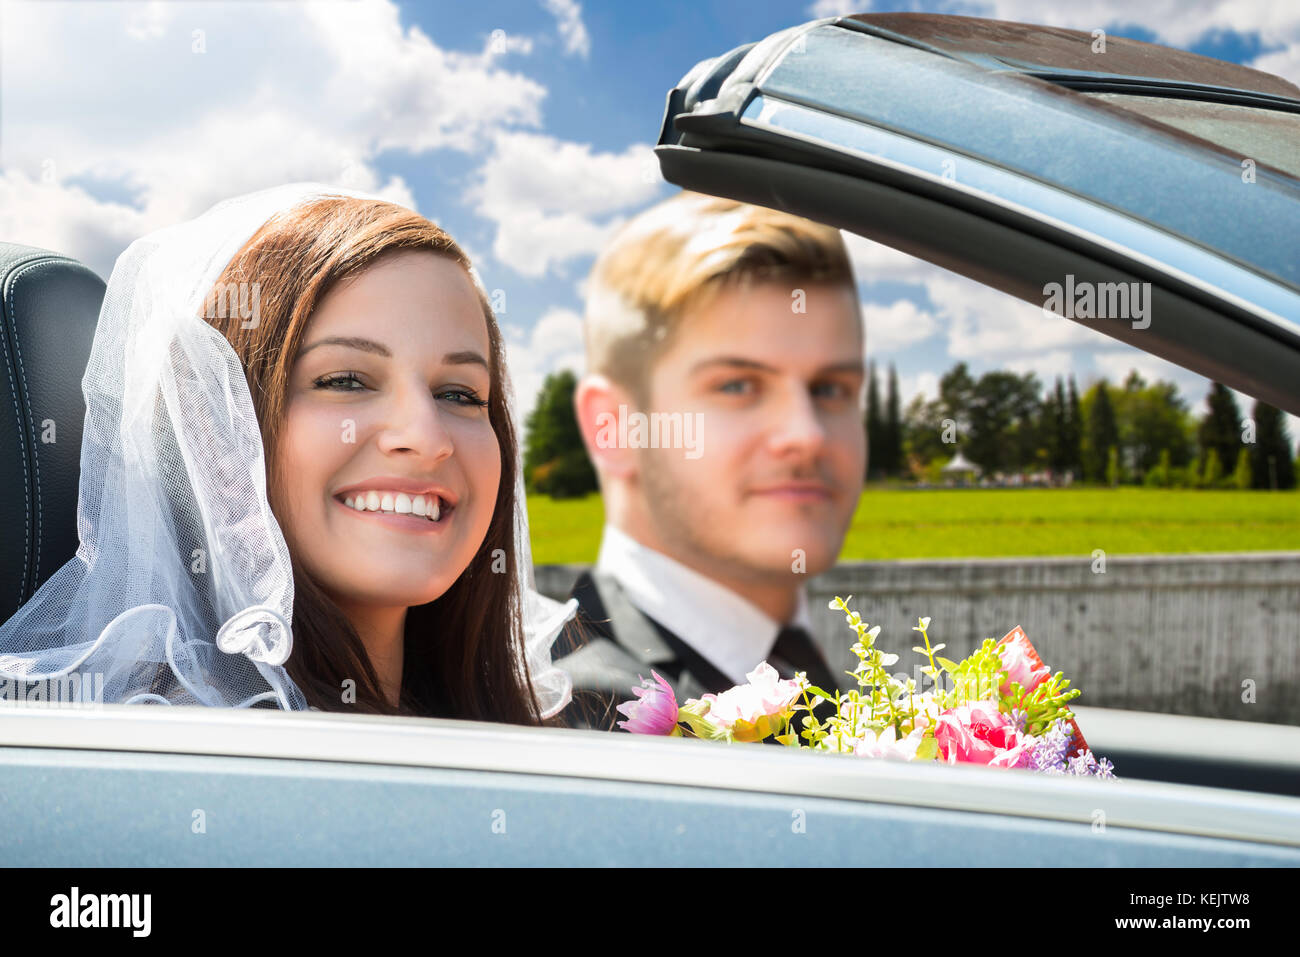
[903, 523]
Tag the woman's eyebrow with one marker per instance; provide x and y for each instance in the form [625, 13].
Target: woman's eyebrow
[467, 357]
[352, 342]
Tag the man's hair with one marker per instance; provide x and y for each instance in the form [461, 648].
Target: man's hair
[678, 255]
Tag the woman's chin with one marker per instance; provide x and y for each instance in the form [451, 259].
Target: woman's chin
[395, 590]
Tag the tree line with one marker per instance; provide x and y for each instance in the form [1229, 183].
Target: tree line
[1131, 433]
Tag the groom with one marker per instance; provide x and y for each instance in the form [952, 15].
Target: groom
[722, 409]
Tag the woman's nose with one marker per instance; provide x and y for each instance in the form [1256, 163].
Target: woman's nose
[416, 424]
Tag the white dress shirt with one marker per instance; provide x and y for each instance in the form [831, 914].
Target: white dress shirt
[727, 630]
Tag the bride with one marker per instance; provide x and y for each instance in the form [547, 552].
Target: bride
[299, 478]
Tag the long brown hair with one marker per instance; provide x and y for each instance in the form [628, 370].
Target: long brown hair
[463, 651]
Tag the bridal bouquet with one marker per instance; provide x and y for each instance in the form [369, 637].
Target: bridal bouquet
[1003, 708]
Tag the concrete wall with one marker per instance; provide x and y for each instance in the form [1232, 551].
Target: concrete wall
[1179, 634]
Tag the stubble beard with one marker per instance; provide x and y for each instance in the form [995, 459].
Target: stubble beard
[677, 524]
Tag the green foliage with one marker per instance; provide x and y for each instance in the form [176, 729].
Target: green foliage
[1152, 418]
[1112, 466]
[1004, 421]
[555, 459]
[1158, 477]
[1212, 475]
[1241, 477]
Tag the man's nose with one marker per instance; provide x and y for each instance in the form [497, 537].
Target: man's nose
[799, 427]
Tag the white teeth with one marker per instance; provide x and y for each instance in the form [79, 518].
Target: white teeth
[398, 503]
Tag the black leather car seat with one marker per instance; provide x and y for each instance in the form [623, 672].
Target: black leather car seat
[49, 307]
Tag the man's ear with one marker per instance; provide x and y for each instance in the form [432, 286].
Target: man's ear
[600, 404]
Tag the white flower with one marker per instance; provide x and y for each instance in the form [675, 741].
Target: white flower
[886, 744]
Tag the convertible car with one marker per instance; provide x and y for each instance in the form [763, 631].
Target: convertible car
[1017, 155]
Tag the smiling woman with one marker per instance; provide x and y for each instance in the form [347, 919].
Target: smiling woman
[377, 371]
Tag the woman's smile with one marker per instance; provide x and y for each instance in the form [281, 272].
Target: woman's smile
[404, 522]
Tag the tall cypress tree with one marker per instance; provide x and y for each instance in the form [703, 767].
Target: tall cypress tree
[875, 423]
[1074, 434]
[1102, 433]
[1059, 426]
[1220, 429]
[893, 452]
[1271, 465]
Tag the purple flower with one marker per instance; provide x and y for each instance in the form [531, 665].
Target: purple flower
[1050, 753]
[654, 711]
[1084, 763]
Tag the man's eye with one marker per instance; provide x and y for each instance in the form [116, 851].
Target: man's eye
[830, 390]
[737, 386]
[331, 381]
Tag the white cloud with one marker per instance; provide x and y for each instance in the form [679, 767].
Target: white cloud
[568, 21]
[98, 149]
[552, 200]
[553, 344]
[1175, 22]
[1047, 366]
[1115, 366]
[985, 323]
[924, 383]
[893, 327]
[1284, 63]
[836, 8]
[876, 262]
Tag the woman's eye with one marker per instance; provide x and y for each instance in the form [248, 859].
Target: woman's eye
[465, 397]
[329, 382]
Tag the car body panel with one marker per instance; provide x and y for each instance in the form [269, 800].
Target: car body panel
[122, 785]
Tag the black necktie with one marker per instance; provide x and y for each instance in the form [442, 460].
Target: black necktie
[796, 651]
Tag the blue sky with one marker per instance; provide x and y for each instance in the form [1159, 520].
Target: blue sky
[524, 127]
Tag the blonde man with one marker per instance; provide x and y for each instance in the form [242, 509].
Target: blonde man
[722, 407]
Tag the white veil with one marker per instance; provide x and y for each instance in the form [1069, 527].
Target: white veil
[181, 591]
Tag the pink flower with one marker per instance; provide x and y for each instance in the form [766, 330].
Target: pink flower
[1021, 663]
[753, 711]
[654, 711]
[976, 733]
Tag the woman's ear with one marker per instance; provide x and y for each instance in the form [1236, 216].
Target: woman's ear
[602, 407]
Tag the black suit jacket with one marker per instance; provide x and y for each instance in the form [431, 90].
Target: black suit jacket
[613, 644]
